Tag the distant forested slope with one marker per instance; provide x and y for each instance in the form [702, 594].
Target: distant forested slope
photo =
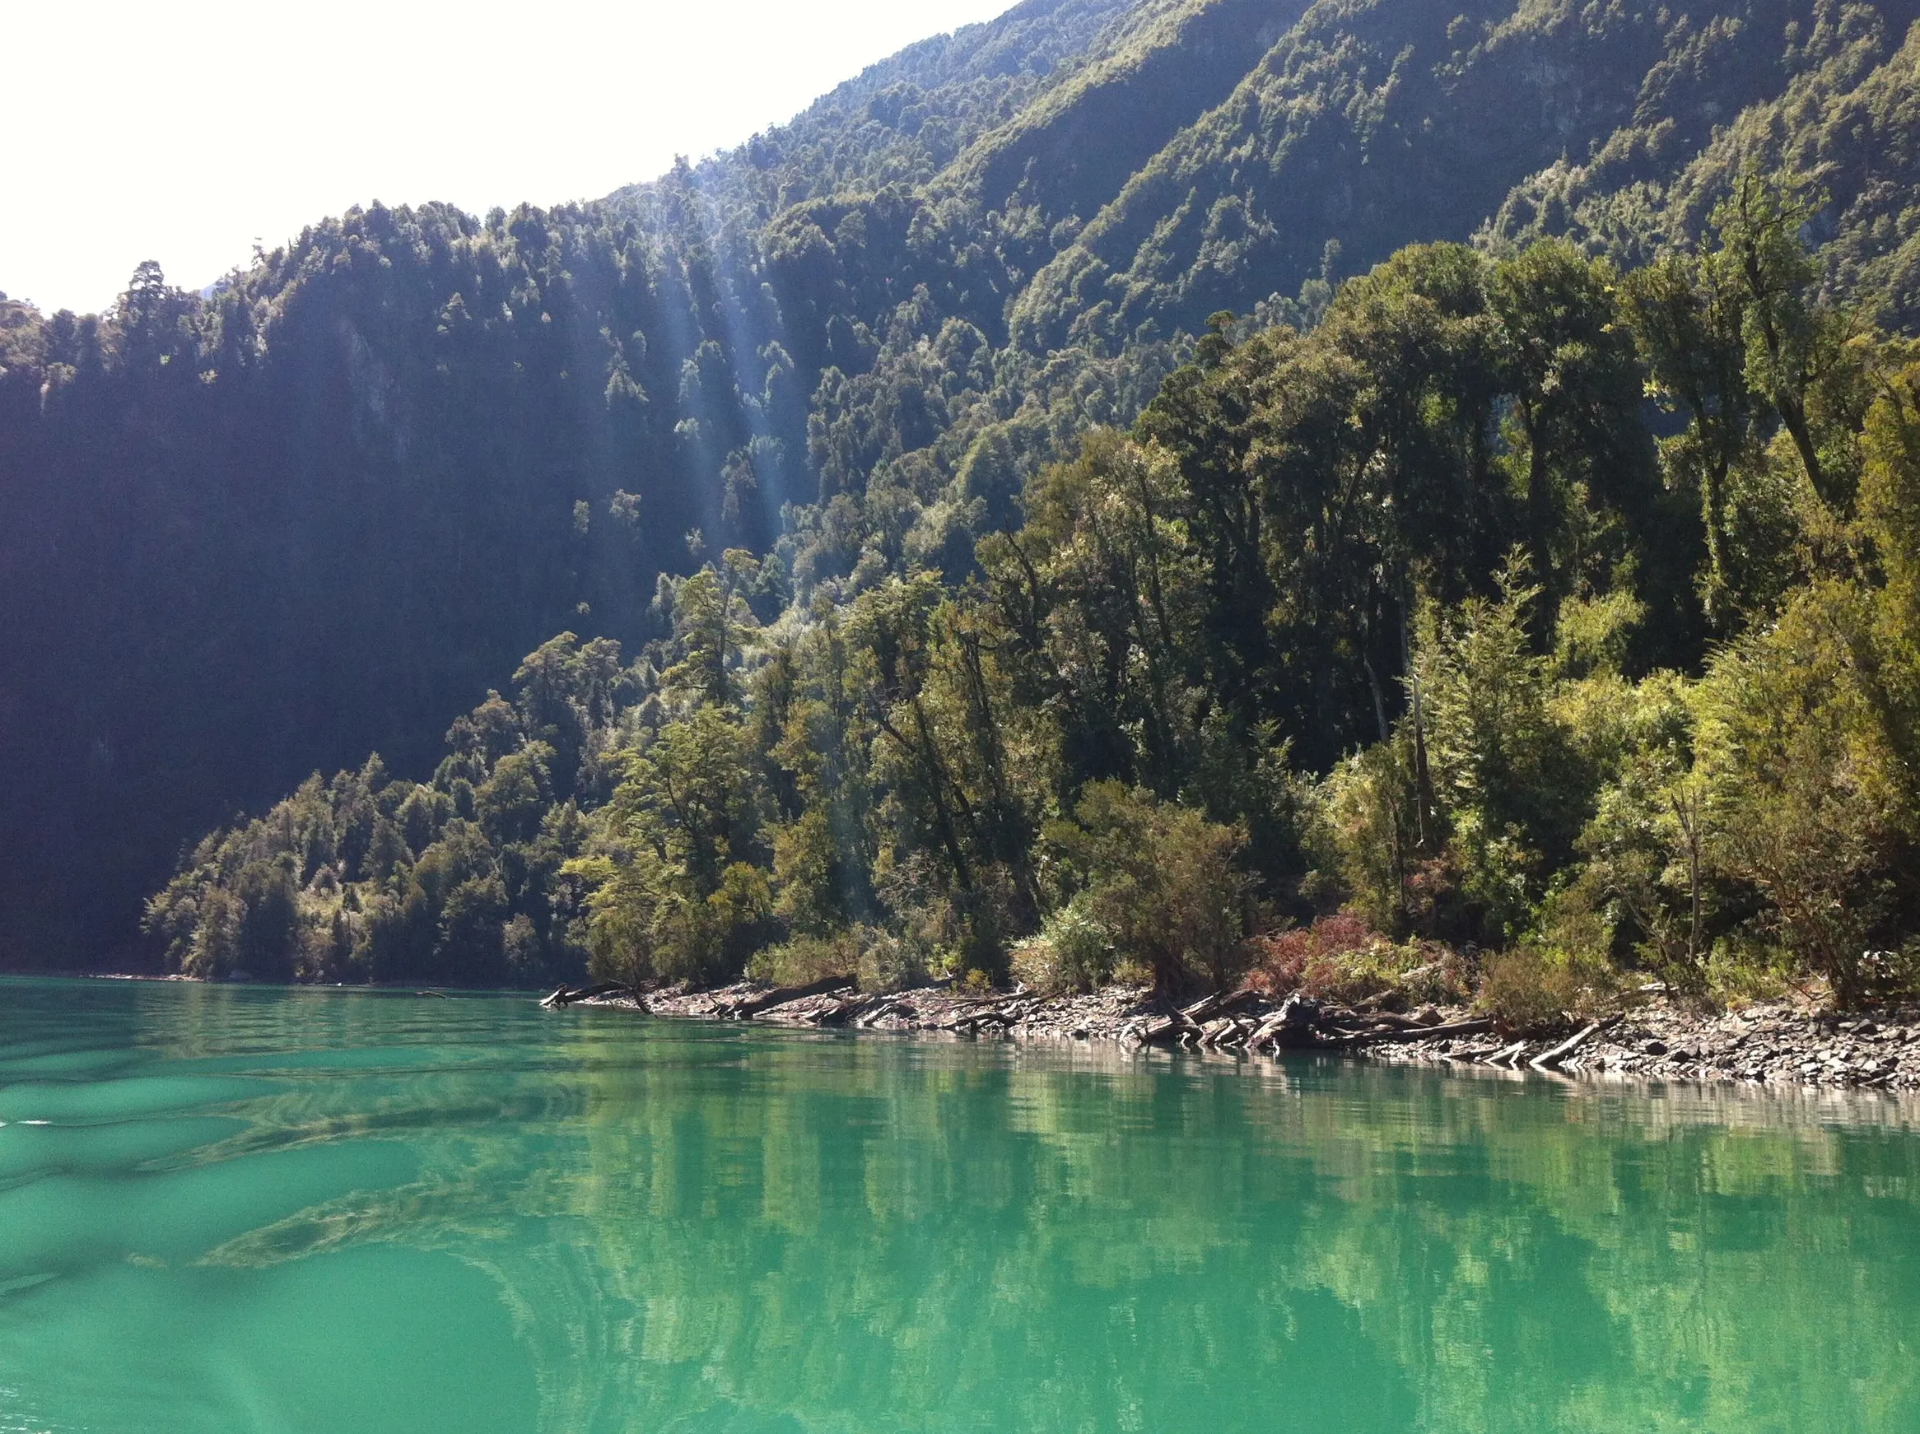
[325, 509]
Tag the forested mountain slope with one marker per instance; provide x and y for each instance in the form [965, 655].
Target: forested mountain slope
[1402, 658]
[325, 509]
[1848, 116]
[1372, 124]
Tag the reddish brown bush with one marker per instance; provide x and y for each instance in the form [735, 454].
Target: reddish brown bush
[1342, 958]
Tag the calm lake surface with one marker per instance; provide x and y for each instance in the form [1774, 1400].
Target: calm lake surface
[257, 1210]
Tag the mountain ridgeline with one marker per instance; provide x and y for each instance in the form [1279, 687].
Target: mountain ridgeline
[793, 444]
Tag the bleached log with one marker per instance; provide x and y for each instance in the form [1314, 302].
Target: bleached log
[1551, 1059]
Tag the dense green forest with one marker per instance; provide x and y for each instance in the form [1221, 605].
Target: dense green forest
[1418, 640]
[951, 585]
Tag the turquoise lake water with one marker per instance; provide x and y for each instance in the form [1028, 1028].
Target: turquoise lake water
[256, 1210]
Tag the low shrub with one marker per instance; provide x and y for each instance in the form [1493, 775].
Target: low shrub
[1741, 968]
[1160, 879]
[1530, 990]
[1342, 958]
[1072, 952]
[891, 963]
[806, 959]
[1281, 958]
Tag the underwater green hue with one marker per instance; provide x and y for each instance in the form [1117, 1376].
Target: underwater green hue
[248, 1209]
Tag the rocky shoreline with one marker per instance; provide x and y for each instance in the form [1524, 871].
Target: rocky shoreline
[1657, 1038]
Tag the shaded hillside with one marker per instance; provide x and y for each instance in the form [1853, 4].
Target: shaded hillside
[1848, 117]
[1070, 151]
[325, 509]
[1372, 124]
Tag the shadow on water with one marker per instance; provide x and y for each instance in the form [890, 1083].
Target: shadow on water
[258, 1209]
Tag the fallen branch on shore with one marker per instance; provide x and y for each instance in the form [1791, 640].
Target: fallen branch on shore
[1552, 1059]
[1219, 1004]
[1419, 1033]
[565, 996]
[742, 1008]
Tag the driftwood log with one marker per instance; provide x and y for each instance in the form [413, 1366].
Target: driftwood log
[1553, 1059]
[748, 1006]
[566, 996]
[1418, 1033]
[1219, 1004]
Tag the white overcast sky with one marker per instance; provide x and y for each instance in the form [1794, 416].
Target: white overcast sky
[182, 130]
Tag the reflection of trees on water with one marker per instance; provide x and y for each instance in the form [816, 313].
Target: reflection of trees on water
[720, 1229]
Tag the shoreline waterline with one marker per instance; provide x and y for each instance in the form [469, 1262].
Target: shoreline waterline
[1774, 1045]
